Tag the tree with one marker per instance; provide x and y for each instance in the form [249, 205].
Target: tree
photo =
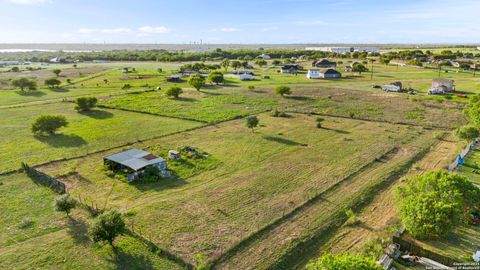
[107, 227]
[48, 124]
[276, 62]
[358, 67]
[261, 62]
[282, 90]
[235, 64]
[225, 63]
[65, 203]
[319, 121]
[432, 204]
[197, 81]
[252, 122]
[23, 83]
[216, 77]
[472, 111]
[85, 103]
[371, 61]
[159, 70]
[57, 71]
[52, 82]
[173, 91]
[345, 261]
[468, 133]
[74, 65]
[15, 69]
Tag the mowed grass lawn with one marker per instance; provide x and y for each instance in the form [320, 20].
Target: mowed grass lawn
[207, 105]
[86, 132]
[259, 177]
[34, 236]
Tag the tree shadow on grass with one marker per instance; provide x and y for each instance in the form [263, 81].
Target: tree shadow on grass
[31, 93]
[301, 98]
[125, 260]
[337, 130]
[283, 141]
[78, 230]
[62, 140]
[59, 89]
[97, 114]
[186, 99]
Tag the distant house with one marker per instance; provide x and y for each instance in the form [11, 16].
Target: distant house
[265, 56]
[246, 77]
[324, 63]
[313, 73]
[134, 162]
[391, 88]
[174, 78]
[329, 73]
[289, 68]
[443, 84]
[9, 63]
[57, 59]
[243, 71]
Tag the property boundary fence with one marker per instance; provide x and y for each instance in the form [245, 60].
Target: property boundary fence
[46, 180]
[408, 246]
[464, 153]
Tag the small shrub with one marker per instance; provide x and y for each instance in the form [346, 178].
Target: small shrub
[251, 87]
[352, 218]
[65, 204]
[85, 103]
[173, 91]
[126, 86]
[26, 223]
[283, 90]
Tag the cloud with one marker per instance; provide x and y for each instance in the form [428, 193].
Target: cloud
[225, 29]
[117, 30]
[154, 29]
[28, 2]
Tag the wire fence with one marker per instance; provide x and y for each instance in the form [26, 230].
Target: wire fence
[463, 154]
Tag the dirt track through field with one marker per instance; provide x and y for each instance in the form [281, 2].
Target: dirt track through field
[268, 248]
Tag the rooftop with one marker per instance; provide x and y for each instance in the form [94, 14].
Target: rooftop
[135, 159]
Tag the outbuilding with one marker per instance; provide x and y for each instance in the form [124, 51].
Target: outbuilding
[290, 68]
[134, 162]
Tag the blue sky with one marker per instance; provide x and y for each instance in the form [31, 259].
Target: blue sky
[247, 21]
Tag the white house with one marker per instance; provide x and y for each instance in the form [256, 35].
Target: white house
[265, 56]
[313, 73]
[246, 77]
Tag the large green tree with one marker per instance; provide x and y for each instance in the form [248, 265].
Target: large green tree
[433, 204]
[283, 90]
[345, 261]
[52, 82]
[173, 91]
[107, 227]
[48, 124]
[197, 81]
[23, 83]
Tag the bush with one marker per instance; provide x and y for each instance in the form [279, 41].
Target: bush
[197, 82]
[216, 77]
[251, 87]
[352, 218]
[173, 91]
[48, 124]
[126, 86]
[283, 90]
[64, 203]
[468, 133]
[85, 103]
[252, 122]
[151, 174]
[345, 261]
[433, 204]
[277, 113]
[319, 121]
[107, 227]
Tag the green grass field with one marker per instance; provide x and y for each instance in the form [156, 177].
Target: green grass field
[261, 176]
[247, 183]
[87, 132]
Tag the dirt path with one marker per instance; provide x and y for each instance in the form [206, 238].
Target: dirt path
[380, 214]
[268, 249]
